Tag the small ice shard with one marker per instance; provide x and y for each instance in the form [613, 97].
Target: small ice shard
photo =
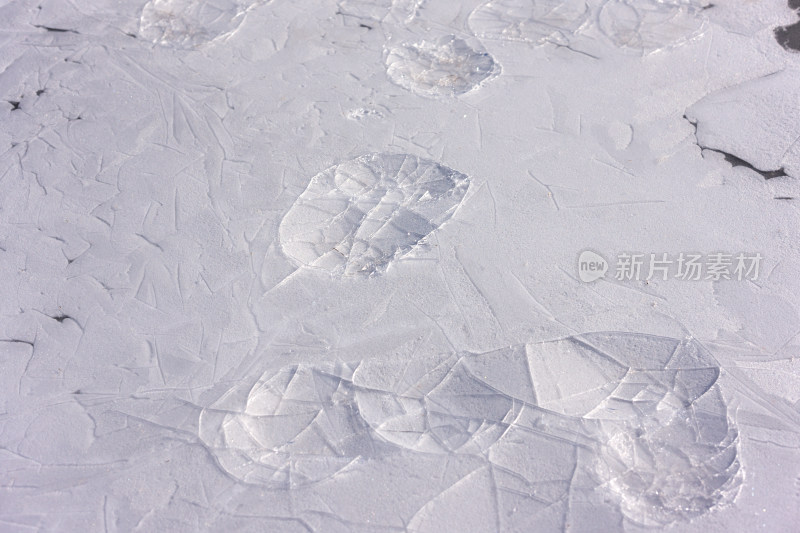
[445, 67]
[650, 25]
[191, 23]
[360, 215]
[533, 21]
[361, 113]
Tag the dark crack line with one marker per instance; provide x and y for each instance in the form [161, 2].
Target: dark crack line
[568, 47]
[736, 161]
[18, 341]
[739, 162]
[56, 30]
[62, 317]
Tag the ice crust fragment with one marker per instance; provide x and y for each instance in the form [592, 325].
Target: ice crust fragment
[191, 23]
[641, 26]
[360, 215]
[445, 67]
[650, 25]
[639, 416]
[533, 21]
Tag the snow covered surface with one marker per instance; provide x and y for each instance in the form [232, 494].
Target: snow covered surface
[410, 265]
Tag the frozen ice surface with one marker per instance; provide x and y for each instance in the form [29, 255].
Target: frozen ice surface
[532, 21]
[358, 216]
[445, 67]
[647, 408]
[191, 23]
[180, 349]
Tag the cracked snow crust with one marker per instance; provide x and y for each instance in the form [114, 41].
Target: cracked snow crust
[359, 216]
[314, 265]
